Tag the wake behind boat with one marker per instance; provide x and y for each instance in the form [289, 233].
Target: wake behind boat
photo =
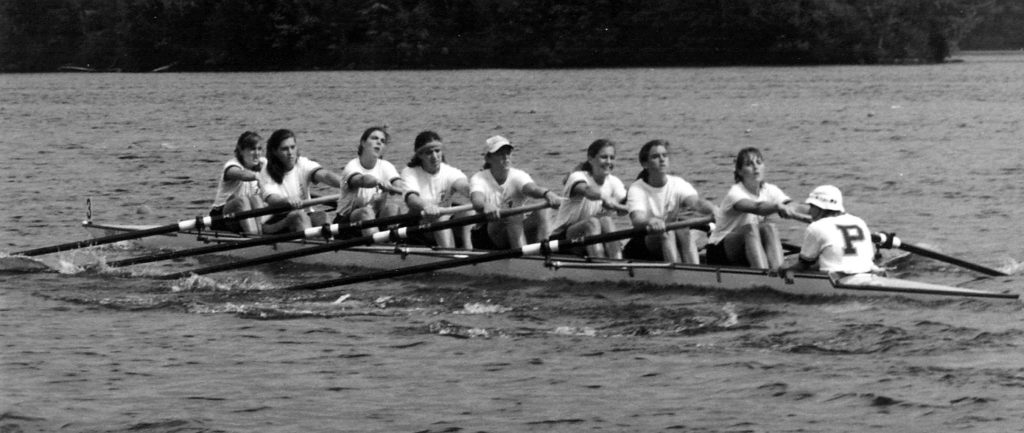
[541, 267]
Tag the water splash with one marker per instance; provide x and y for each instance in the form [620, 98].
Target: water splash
[200, 283]
[449, 329]
[481, 308]
[1010, 266]
[732, 319]
[573, 331]
[67, 267]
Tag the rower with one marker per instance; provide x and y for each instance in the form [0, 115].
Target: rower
[595, 195]
[835, 241]
[657, 197]
[286, 178]
[237, 187]
[501, 186]
[368, 181]
[432, 184]
[744, 235]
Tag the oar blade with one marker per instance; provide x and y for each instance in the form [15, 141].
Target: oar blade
[925, 252]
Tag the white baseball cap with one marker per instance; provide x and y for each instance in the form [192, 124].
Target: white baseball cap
[827, 197]
[495, 143]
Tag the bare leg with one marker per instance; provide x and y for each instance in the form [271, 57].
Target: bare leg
[297, 220]
[588, 227]
[241, 204]
[444, 238]
[753, 247]
[465, 232]
[772, 245]
[364, 213]
[543, 218]
[257, 202]
[537, 226]
[687, 246]
[515, 236]
[666, 242]
[613, 249]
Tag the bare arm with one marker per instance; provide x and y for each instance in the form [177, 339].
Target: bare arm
[802, 264]
[641, 219]
[701, 205]
[784, 210]
[416, 203]
[396, 186]
[238, 173]
[362, 181]
[481, 205]
[279, 200]
[582, 189]
[532, 190]
[326, 176]
[758, 207]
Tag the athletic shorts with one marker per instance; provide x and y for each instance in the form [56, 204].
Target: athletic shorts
[219, 224]
[481, 240]
[714, 254]
[636, 249]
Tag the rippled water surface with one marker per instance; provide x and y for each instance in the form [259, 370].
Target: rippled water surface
[930, 152]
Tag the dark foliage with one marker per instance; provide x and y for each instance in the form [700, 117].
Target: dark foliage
[143, 35]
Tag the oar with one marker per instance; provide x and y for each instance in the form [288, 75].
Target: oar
[188, 224]
[380, 237]
[537, 248]
[889, 240]
[326, 232]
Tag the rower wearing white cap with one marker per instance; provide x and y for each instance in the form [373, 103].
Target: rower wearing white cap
[501, 186]
[836, 241]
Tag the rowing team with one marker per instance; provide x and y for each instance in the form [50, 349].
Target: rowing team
[372, 188]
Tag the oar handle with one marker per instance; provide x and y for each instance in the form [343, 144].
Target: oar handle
[451, 210]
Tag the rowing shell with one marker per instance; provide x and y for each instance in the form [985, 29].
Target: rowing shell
[567, 267]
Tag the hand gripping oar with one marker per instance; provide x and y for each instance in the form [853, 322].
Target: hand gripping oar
[188, 224]
[379, 237]
[889, 240]
[537, 248]
[325, 232]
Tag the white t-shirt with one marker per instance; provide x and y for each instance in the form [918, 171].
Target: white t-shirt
[507, 195]
[840, 243]
[664, 202]
[354, 198]
[235, 188]
[435, 189]
[730, 219]
[579, 208]
[295, 183]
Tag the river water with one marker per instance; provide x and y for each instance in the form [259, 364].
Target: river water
[930, 152]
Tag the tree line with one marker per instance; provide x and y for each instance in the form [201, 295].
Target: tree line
[265, 35]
